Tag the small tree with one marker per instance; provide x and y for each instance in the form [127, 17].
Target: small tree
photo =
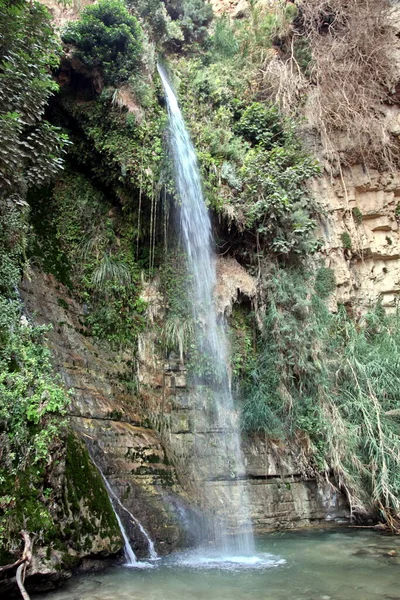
[107, 36]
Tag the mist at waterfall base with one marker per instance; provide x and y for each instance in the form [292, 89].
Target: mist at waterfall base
[215, 413]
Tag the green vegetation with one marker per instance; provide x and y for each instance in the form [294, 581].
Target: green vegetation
[28, 48]
[346, 240]
[243, 335]
[84, 241]
[122, 150]
[178, 326]
[325, 282]
[85, 487]
[252, 161]
[32, 399]
[175, 25]
[108, 37]
[357, 215]
[63, 502]
[194, 17]
[335, 380]
[100, 231]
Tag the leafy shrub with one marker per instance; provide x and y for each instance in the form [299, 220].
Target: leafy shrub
[230, 175]
[325, 282]
[224, 43]
[32, 398]
[357, 215]
[346, 240]
[100, 269]
[253, 164]
[28, 49]
[153, 13]
[275, 201]
[107, 36]
[164, 31]
[216, 84]
[196, 15]
[261, 124]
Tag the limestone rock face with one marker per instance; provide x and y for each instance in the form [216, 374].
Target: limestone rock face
[281, 492]
[117, 424]
[363, 212]
[232, 281]
[234, 8]
[109, 418]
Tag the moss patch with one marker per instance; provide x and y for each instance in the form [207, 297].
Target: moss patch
[87, 498]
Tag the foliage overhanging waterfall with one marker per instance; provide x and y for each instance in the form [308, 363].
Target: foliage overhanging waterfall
[214, 403]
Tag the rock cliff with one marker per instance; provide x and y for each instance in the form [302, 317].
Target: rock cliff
[143, 439]
[109, 418]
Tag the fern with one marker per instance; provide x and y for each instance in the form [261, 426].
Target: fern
[111, 270]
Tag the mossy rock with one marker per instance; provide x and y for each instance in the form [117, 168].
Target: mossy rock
[87, 498]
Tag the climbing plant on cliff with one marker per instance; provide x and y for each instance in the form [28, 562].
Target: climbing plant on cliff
[86, 243]
[29, 146]
[31, 397]
[352, 42]
[326, 42]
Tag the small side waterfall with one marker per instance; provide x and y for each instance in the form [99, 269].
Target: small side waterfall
[152, 551]
[218, 437]
[131, 560]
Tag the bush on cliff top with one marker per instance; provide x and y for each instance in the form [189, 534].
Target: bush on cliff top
[107, 36]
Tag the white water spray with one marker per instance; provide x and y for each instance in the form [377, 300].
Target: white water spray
[233, 531]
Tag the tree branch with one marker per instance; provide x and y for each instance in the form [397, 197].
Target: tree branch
[22, 564]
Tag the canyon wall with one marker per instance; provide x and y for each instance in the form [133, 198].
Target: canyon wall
[143, 440]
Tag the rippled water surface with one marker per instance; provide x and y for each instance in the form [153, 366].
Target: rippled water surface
[318, 565]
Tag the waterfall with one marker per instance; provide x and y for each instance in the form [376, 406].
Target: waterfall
[150, 544]
[214, 403]
[131, 560]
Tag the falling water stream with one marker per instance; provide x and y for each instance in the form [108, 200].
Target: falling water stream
[232, 529]
[131, 560]
[130, 557]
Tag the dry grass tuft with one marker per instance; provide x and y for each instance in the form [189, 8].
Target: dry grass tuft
[351, 76]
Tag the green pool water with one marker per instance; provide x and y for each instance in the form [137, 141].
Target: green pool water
[317, 565]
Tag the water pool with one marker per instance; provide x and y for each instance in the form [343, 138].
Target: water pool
[313, 565]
